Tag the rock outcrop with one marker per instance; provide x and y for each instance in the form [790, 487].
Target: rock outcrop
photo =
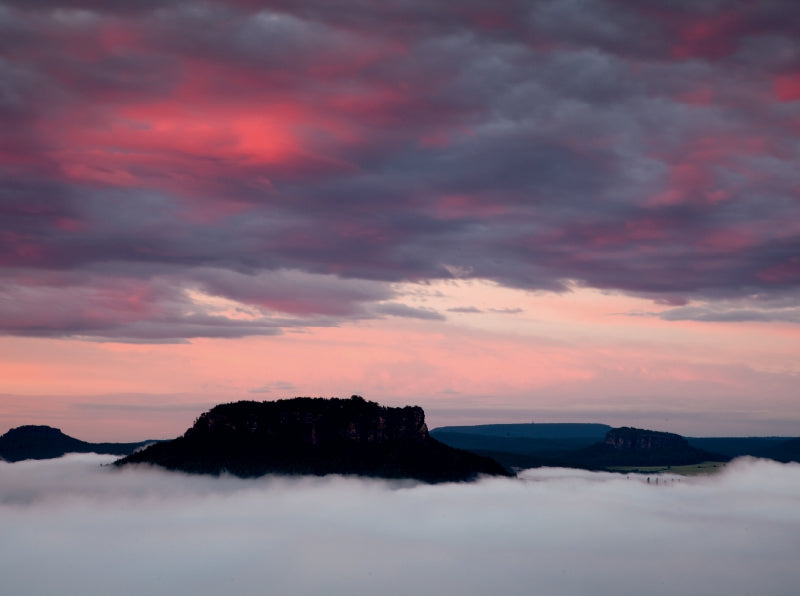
[315, 436]
[633, 440]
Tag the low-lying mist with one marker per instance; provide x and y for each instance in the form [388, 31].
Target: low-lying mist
[72, 527]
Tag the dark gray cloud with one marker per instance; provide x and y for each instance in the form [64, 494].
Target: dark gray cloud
[396, 309]
[713, 314]
[506, 311]
[476, 310]
[242, 148]
[277, 386]
[465, 309]
[164, 305]
[73, 527]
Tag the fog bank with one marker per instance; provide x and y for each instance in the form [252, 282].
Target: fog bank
[71, 527]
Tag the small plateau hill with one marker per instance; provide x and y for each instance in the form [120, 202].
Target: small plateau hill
[46, 442]
[315, 436]
[628, 446]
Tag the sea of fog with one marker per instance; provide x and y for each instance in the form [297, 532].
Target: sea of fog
[73, 527]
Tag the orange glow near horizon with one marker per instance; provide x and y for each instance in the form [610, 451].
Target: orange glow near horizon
[585, 350]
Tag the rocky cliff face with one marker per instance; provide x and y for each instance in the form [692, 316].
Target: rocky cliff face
[315, 436]
[313, 421]
[637, 439]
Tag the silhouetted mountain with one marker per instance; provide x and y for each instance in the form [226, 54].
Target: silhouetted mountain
[315, 436]
[46, 442]
[628, 446]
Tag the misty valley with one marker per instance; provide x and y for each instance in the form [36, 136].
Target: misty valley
[205, 513]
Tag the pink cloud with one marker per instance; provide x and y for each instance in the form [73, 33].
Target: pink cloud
[456, 206]
[18, 247]
[731, 239]
[785, 272]
[787, 87]
[698, 96]
[713, 37]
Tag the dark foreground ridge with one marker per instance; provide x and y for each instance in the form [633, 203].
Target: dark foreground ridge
[315, 436]
[46, 442]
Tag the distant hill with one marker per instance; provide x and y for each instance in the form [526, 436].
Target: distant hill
[315, 436]
[628, 446]
[46, 442]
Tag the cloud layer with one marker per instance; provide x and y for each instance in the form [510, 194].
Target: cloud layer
[71, 527]
[154, 151]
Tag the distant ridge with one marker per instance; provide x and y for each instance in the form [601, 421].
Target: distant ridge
[589, 446]
[523, 445]
[784, 451]
[315, 436]
[532, 430]
[46, 442]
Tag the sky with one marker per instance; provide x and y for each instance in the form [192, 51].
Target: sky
[502, 211]
[74, 528]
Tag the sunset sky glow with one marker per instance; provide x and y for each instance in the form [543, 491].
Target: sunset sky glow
[502, 211]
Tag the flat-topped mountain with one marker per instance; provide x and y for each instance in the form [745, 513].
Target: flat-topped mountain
[315, 436]
[46, 442]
